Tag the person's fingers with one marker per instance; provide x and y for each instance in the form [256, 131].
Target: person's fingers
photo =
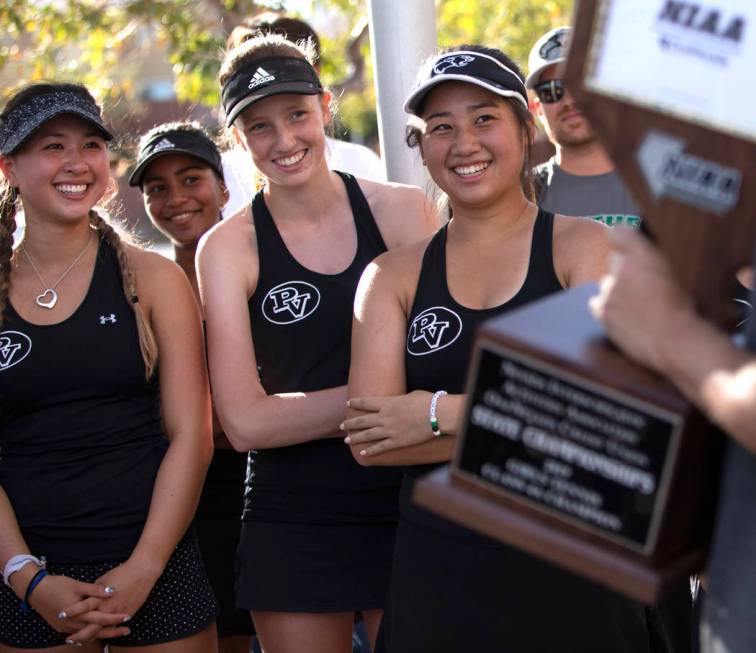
[384, 445]
[110, 631]
[370, 404]
[367, 435]
[79, 608]
[360, 422]
[84, 635]
[96, 590]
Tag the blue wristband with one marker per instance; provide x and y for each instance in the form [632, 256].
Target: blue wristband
[36, 579]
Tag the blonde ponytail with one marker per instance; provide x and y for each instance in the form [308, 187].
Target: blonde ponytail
[147, 342]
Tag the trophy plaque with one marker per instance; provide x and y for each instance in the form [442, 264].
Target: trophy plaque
[568, 449]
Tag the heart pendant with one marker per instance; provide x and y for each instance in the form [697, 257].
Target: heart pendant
[50, 303]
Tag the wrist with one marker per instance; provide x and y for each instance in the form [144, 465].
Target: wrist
[448, 411]
[19, 581]
[433, 413]
[17, 562]
[147, 564]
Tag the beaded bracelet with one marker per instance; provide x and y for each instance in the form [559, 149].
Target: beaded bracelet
[36, 579]
[432, 413]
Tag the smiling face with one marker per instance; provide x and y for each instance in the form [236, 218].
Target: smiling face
[472, 144]
[564, 123]
[61, 171]
[285, 134]
[183, 197]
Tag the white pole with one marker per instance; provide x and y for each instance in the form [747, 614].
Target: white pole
[402, 35]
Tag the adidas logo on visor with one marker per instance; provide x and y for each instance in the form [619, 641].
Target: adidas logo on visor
[261, 76]
[165, 144]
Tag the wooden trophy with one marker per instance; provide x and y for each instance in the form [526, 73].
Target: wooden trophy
[569, 450]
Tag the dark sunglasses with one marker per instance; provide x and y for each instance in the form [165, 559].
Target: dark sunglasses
[551, 91]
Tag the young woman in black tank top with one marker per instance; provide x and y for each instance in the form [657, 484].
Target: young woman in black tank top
[104, 405]
[180, 175]
[318, 529]
[415, 316]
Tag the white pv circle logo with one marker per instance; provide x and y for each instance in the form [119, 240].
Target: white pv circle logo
[432, 330]
[290, 301]
[14, 347]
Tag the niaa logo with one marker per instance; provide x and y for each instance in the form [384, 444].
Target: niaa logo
[432, 330]
[290, 301]
[14, 347]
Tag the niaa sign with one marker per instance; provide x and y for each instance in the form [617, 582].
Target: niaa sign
[695, 60]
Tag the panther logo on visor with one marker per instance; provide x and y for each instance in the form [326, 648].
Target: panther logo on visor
[555, 46]
[454, 61]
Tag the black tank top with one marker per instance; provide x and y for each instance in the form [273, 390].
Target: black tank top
[440, 332]
[301, 326]
[80, 426]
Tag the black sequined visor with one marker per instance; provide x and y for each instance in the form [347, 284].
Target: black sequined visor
[266, 77]
[175, 142]
[23, 120]
[472, 68]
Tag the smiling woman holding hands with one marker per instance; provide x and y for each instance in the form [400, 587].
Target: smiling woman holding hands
[104, 405]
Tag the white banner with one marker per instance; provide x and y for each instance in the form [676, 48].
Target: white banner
[694, 59]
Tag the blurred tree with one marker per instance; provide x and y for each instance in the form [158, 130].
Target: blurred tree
[103, 43]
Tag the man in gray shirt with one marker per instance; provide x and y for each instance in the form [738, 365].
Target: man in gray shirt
[580, 179]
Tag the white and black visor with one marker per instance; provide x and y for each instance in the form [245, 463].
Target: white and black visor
[472, 68]
[177, 141]
[266, 77]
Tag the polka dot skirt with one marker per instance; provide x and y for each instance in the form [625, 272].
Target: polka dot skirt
[181, 604]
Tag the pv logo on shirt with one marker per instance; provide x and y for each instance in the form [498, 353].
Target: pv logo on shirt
[14, 347]
[290, 301]
[434, 329]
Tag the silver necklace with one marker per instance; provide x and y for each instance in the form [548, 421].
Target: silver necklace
[49, 291]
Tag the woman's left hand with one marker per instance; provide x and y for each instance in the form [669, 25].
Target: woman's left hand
[133, 581]
[389, 422]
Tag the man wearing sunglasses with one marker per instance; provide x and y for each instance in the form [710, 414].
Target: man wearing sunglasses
[580, 179]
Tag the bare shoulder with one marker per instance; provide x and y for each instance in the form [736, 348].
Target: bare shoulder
[581, 247]
[231, 237]
[396, 272]
[404, 213]
[155, 274]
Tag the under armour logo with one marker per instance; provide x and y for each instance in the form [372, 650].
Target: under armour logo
[433, 329]
[108, 319]
[454, 61]
[290, 302]
[14, 347]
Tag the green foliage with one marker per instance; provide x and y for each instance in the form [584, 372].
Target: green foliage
[104, 44]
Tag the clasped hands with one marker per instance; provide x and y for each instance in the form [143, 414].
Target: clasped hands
[99, 610]
[388, 422]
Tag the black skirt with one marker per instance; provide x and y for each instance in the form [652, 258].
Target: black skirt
[458, 591]
[294, 567]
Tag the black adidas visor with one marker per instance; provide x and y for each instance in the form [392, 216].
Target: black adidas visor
[472, 68]
[266, 77]
[175, 142]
